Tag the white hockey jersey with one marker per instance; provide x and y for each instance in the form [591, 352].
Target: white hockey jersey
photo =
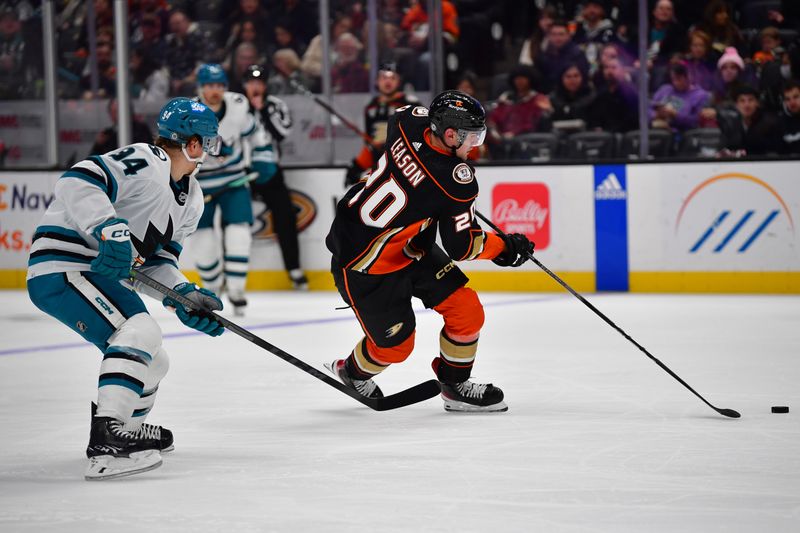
[245, 143]
[132, 183]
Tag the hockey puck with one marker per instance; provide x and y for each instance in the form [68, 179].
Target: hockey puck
[780, 409]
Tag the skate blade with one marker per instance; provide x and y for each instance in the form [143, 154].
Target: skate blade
[105, 467]
[454, 406]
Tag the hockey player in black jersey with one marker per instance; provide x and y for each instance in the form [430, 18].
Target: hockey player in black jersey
[390, 97]
[384, 250]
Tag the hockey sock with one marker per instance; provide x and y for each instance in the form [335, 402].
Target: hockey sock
[455, 360]
[208, 258]
[156, 372]
[360, 365]
[237, 256]
[121, 384]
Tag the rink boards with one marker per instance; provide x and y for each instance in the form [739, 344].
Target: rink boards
[682, 227]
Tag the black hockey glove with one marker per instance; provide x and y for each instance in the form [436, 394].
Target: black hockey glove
[353, 175]
[518, 248]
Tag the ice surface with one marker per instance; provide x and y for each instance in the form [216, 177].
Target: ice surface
[597, 437]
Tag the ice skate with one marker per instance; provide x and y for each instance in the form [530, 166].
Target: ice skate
[366, 387]
[164, 436]
[469, 397]
[115, 453]
[239, 303]
[299, 280]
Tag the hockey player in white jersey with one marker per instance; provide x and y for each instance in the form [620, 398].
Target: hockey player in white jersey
[244, 145]
[134, 205]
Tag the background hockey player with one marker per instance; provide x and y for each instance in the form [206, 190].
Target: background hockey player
[244, 145]
[390, 97]
[384, 250]
[273, 114]
[136, 202]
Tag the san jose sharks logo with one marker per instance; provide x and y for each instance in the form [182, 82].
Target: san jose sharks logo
[153, 240]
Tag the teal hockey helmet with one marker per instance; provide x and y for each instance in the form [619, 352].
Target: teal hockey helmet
[182, 118]
[211, 73]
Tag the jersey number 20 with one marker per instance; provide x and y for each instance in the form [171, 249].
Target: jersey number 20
[383, 204]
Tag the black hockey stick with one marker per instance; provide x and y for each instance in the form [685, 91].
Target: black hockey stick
[247, 178]
[417, 393]
[724, 412]
[329, 108]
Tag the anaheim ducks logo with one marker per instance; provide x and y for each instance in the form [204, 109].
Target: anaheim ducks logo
[394, 330]
[463, 173]
[263, 226]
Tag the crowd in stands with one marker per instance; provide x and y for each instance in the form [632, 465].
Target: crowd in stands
[555, 69]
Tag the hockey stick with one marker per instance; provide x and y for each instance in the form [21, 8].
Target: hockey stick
[247, 178]
[329, 108]
[417, 393]
[724, 412]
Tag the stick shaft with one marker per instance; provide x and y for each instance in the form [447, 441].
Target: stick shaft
[603, 316]
[329, 108]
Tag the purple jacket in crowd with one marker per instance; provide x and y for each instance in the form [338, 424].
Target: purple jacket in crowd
[688, 104]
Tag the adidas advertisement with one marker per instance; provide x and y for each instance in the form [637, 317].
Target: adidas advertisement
[611, 227]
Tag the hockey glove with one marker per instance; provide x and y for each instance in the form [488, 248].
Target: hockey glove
[115, 253]
[198, 317]
[517, 250]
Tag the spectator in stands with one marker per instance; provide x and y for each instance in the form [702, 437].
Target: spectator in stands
[788, 16]
[285, 38]
[771, 47]
[415, 23]
[17, 72]
[286, 75]
[468, 83]
[609, 52]
[699, 62]
[149, 38]
[730, 77]
[348, 74]
[311, 64]
[517, 111]
[302, 19]
[107, 74]
[789, 127]
[616, 108]
[537, 42]
[677, 105]
[183, 49]
[149, 81]
[247, 11]
[594, 31]
[106, 140]
[747, 129]
[571, 100]
[560, 52]
[667, 35]
[246, 54]
[247, 33]
[718, 23]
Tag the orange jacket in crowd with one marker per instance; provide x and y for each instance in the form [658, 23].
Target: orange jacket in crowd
[416, 15]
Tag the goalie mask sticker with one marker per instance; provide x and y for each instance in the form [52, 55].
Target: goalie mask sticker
[463, 173]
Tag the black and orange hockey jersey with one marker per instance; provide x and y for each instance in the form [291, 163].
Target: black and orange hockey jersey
[390, 219]
[376, 120]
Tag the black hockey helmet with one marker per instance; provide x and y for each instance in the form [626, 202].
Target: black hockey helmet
[255, 72]
[460, 111]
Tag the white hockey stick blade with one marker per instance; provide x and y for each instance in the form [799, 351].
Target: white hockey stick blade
[105, 467]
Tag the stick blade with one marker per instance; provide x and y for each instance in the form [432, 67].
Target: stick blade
[730, 413]
[417, 393]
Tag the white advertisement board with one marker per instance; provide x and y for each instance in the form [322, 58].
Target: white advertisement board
[717, 217]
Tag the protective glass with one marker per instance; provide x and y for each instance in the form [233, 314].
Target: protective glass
[212, 145]
[472, 138]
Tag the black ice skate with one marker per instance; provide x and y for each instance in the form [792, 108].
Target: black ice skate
[239, 303]
[164, 436]
[114, 452]
[299, 280]
[468, 397]
[365, 387]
